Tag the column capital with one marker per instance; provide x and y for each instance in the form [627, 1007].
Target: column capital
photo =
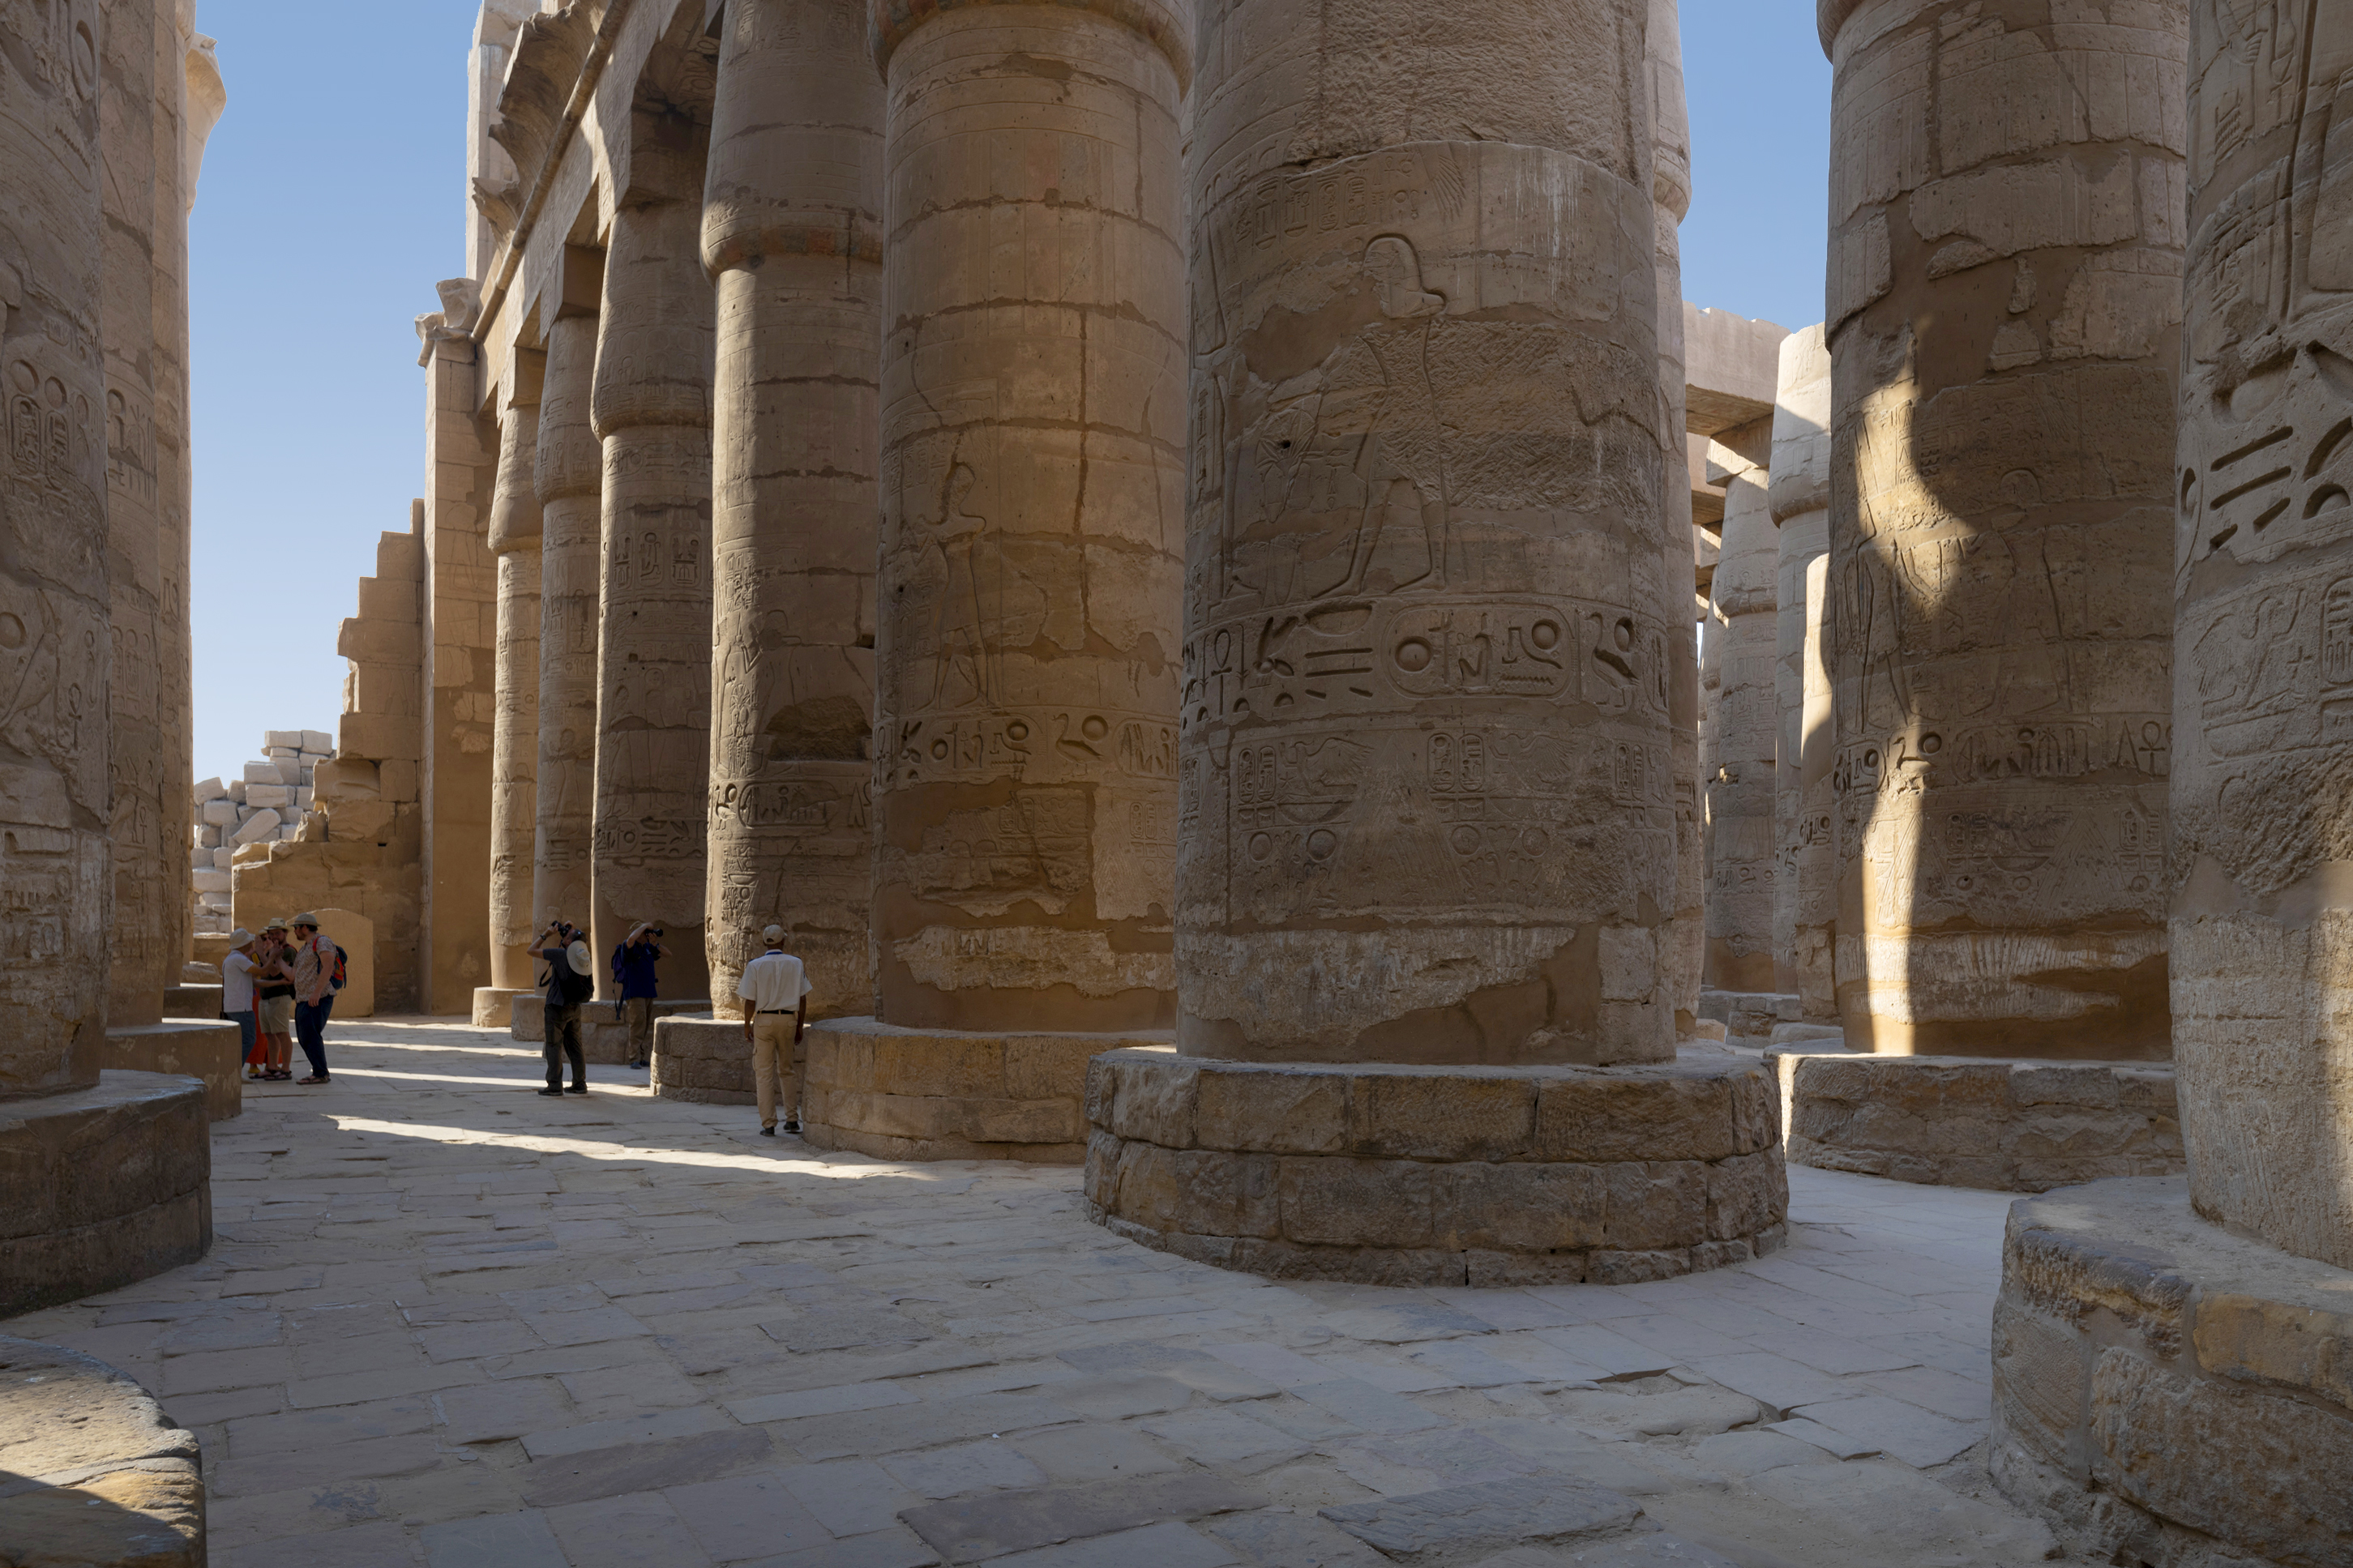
[1830, 15]
[891, 22]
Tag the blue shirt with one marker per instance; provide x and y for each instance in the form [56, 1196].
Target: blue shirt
[634, 968]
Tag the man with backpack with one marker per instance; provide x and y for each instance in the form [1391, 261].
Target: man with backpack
[571, 981]
[318, 969]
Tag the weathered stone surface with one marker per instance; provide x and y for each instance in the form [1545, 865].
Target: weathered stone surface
[2199, 1378]
[1426, 543]
[2004, 328]
[211, 1051]
[2023, 1126]
[701, 1059]
[1805, 864]
[1737, 760]
[1033, 415]
[107, 1184]
[1395, 1174]
[515, 534]
[97, 1474]
[1494, 1513]
[947, 1094]
[569, 480]
[792, 234]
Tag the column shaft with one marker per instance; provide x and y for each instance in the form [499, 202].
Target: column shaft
[515, 534]
[653, 410]
[1805, 902]
[1032, 424]
[792, 233]
[2262, 908]
[569, 479]
[1428, 755]
[1742, 754]
[2004, 300]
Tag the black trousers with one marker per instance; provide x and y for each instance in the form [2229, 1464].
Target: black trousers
[563, 1039]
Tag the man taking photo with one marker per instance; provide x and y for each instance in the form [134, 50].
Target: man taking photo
[633, 972]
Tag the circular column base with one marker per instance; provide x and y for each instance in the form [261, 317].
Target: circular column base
[2012, 1125]
[1417, 1175]
[952, 1094]
[212, 1050]
[2167, 1392]
[107, 1185]
[494, 1004]
[101, 1475]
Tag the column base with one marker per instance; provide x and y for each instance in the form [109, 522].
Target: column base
[107, 1185]
[2025, 1125]
[702, 1060]
[494, 1004]
[1748, 1016]
[953, 1094]
[99, 1474]
[604, 1037]
[192, 999]
[212, 1050]
[1427, 1176]
[2172, 1392]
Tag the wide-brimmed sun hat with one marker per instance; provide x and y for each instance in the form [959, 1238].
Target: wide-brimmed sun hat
[306, 920]
[239, 939]
[274, 925]
[583, 962]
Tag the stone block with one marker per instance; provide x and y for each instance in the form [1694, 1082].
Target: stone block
[108, 1184]
[208, 879]
[1746, 1194]
[399, 776]
[1656, 1204]
[208, 837]
[261, 772]
[704, 1060]
[235, 789]
[194, 998]
[318, 742]
[263, 823]
[2041, 1385]
[1331, 1201]
[206, 789]
[282, 739]
[1519, 1206]
[101, 1475]
[1155, 1099]
[276, 796]
[1280, 1113]
[1463, 1115]
[1656, 1116]
[220, 813]
[211, 1052]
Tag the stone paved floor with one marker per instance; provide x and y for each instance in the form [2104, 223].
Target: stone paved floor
[448, 1322]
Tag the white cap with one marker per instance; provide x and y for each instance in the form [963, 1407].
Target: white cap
[774, 936]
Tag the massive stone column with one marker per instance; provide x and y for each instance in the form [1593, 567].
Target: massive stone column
[652, 411]
[570, 483]
[792, 234]
[1427, 876]
[1739, 763]
[2169, 1365]
[515, 535]
[1672, 191]
[1030, 576]
[1805, 902]
[2005, 254]
[68, 1224]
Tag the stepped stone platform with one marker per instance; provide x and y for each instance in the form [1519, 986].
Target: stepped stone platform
[1397, 1175]
[2014, 1125]
[603, 1038]
[212, 1050]
[949, 1094]
[92, 1470]
[110, 1184]
[703, 1061]
[2178, 1394]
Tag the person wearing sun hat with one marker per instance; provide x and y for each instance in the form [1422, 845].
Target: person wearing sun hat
[571, 981]
[236, 998]
[314, 991]
[772, 992]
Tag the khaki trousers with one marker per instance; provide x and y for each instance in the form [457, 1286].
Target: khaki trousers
[776, 1055]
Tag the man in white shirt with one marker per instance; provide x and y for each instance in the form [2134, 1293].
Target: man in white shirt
[772, 992]
[237, 995]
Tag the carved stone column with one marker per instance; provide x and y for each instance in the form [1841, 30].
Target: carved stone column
[515, 535]
[569, 480]
[2004, 300]
[1026, 658]
[653, 410]
[73, 1225]
[1742, 744]
[1429, 847]
[792, 233]
[2168, 1364]
[1805, 902]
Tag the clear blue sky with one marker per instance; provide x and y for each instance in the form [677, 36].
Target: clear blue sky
[333, 199]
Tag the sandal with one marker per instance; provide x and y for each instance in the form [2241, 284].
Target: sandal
[316, 1078]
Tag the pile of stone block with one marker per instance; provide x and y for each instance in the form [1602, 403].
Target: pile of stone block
[271, 800]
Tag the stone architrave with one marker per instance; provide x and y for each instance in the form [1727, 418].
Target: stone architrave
[1672, 193]
[792, 232]
[515, 534]
[1741, 758]
[1033, 415]
[1805, 902]
[69, 1224]
[570, 481]
[652, 412]
[1427, 874]
[2006, 238]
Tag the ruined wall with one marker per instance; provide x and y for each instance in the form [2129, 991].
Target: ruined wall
[2004, 298]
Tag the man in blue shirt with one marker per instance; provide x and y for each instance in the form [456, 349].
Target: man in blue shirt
[633, 972]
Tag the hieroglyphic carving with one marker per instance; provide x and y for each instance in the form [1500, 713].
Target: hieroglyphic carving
[569, 483]
[54, 604]
[1425, 753]
[2002, 429]
[1027, 645]
[2264, 714]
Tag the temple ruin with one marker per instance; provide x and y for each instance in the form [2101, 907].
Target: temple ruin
[1321, 732]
